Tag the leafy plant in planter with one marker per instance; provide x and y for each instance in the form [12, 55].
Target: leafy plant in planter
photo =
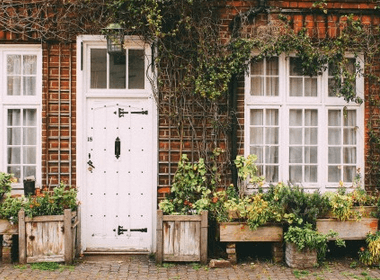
[298, 206]
[189, 192]
[371, 255]
[306, 237]
[48, 203]
[6, 181]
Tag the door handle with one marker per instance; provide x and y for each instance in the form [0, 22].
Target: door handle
[117, 147]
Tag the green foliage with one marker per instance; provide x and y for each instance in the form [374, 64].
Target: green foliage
[45, 266]
[189, 193]
[306, 237]
[298, 205]
[5, 183]
[371, 255]
[49, 203]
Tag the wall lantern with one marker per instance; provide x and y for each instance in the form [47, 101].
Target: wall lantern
[115, 38]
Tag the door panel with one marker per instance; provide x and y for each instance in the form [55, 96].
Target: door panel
[119, 175]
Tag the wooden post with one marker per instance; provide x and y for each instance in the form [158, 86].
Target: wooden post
[68, 236]
[204, 230]
[21, 237]
[159, 238]
[78, 240]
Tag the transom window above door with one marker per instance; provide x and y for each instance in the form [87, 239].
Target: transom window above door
[302, 132]
[117, 71]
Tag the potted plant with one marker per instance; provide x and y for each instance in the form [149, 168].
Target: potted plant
[40, 220]
[249, 217]
[305, 246]
[182, 218]
[349, 216]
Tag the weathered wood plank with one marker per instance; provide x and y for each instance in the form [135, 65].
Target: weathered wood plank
[68, 237]
[52, 218]
[181, 258]
[21, 237]
[348, 230]
[182, 218]
[159, 238]
[37, 259]
[240, 232]
[204, 238]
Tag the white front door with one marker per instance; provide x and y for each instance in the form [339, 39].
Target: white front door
[119, 175]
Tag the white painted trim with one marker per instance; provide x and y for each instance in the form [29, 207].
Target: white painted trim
[83, 93]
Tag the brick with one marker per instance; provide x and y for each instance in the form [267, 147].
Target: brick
[219, 263]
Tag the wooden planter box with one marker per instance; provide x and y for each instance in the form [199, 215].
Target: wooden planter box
[233, 232]
[300, 259]
[48, 238]
[182, 238]
[348, 230]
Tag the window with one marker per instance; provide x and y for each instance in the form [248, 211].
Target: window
[117, 71]
[20, 101]
[301, 132]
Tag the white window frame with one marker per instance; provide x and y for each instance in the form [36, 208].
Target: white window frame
[322, 103]
[20, 102]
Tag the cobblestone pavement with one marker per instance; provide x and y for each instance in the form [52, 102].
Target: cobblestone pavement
[141, 267]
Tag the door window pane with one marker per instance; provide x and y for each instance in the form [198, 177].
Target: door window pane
[117, 71]
[136, 68]
[98, 68]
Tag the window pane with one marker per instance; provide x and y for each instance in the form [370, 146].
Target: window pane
[29, 86]
[272, 86]
[14, 117]
[257, 67]
[295, 118]
[349, 155]
[310, 86]
[30, 65]
[295, 87]
[271, 117]
[256, 135]
[271, 154]
[311, 155]
[311, 136]
[117, 71]
[333, 174]
[271, 173]
[349, 136]
[334, 118]
[272, 66]
[98, 68]
[350, 118]
[295, 66]
[334, 137]
[257, 117]
[16, 171]
[259, 152]
[311, 117]
[295, 155]
[349, 173]
[311, 174]
[29, 155]
[14, 64]
[14, 86]
[29, 136]
[257, 86]
[295, 174]
[14, 136]
[30, 117]
[271, 135]
[29, 171]
[334, 155]
[295, 136]
[14, 155]
[136, 66]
